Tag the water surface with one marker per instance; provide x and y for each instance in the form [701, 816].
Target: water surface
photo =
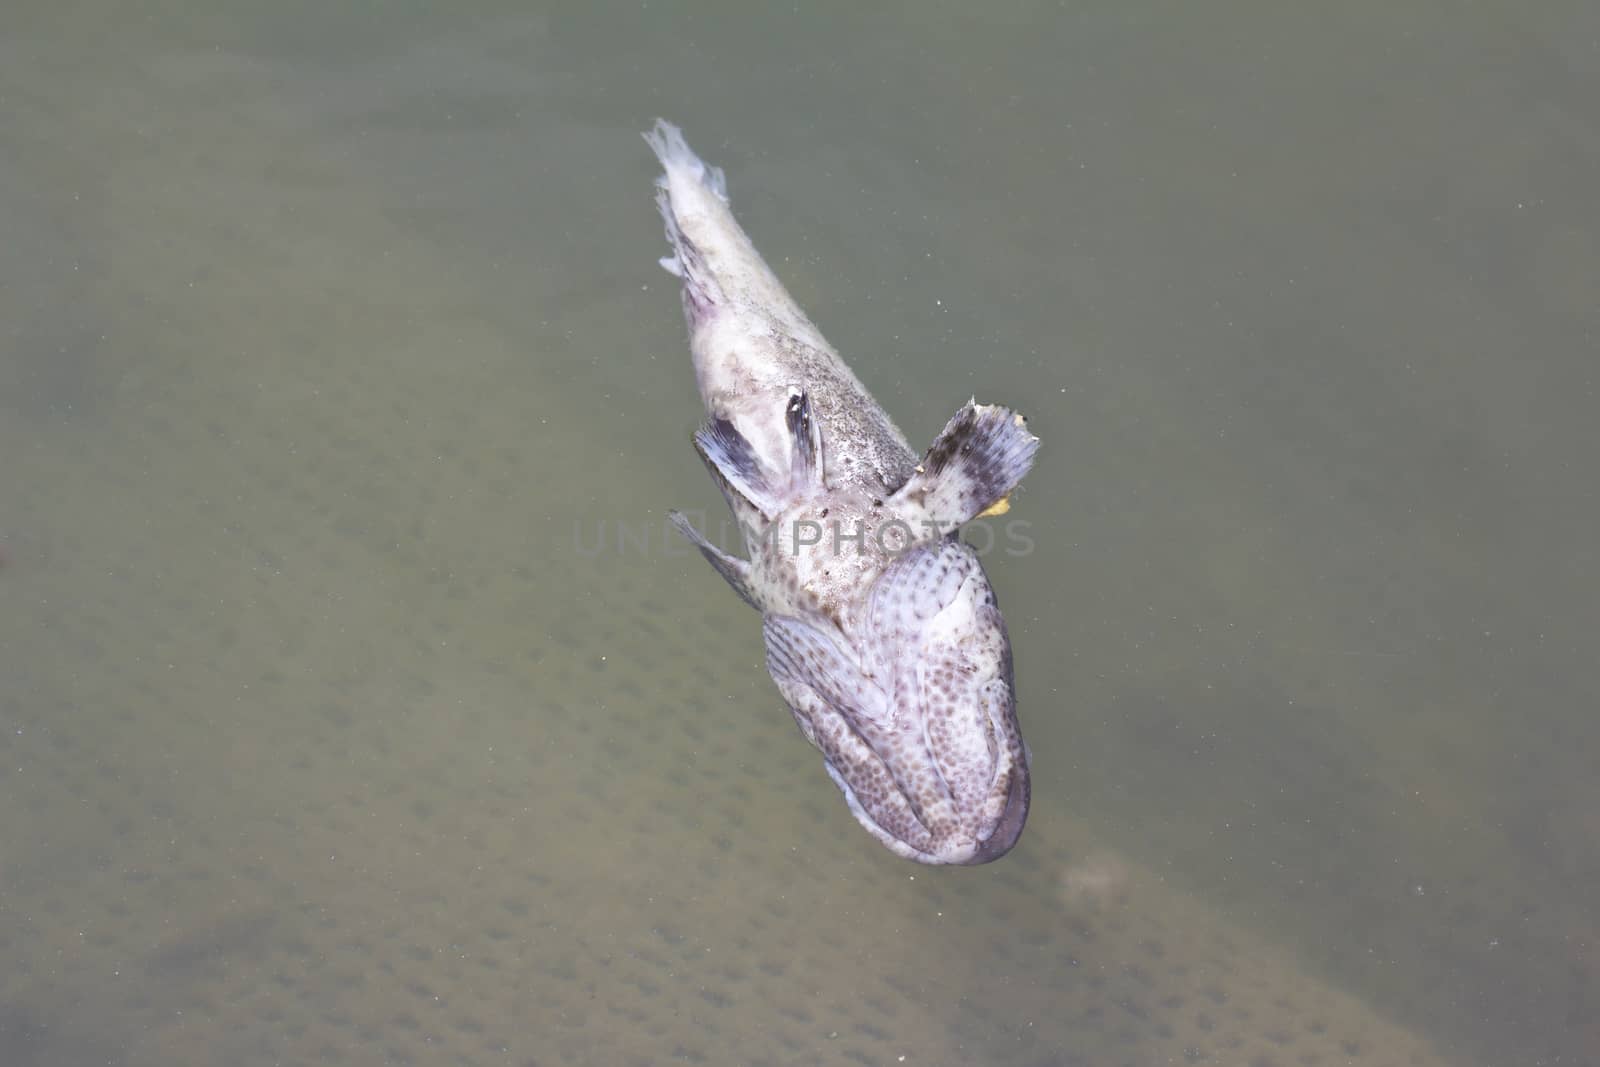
[340, 727]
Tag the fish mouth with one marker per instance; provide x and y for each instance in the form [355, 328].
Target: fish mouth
[1009, 828]
[961, 853]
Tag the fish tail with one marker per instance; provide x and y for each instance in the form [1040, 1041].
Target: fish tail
[680, 162]
[689, 187]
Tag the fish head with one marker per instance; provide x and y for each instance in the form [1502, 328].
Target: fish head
[913, 707]
[825, 551]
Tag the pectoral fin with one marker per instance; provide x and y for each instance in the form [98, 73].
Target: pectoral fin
[737, 469]
[736, 571]
[802, 654]
[970, 470]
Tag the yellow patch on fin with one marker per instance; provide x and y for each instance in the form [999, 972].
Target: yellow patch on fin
[999, 507]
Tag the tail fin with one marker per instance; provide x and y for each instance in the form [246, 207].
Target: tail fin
[678, 159]
[686, 178]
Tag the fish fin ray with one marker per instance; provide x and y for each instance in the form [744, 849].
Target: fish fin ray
[735, 571]
[974, 465]
[733, 463]
[805, 434]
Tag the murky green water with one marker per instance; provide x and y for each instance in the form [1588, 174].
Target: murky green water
[338, 727]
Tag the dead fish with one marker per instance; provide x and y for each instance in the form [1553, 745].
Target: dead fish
[882, 631]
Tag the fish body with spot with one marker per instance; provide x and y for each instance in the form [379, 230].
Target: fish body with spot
[882, 632]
